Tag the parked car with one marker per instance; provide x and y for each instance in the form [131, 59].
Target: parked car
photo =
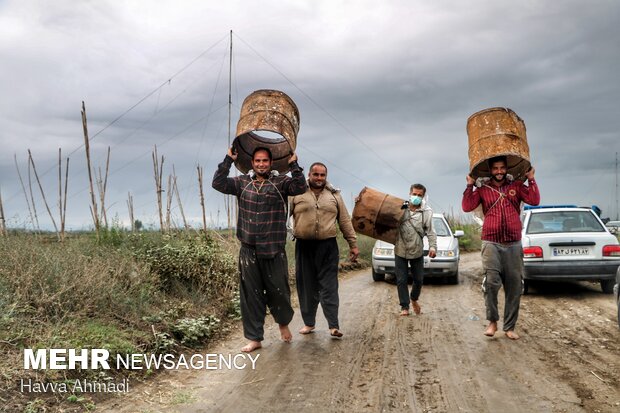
[617, 293]
[445, 264]
[568, 243]
[613, 226]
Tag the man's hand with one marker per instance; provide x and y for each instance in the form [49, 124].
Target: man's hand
[232, 153]
[470, 180]
[530, 173]
[431, 252]
[293, 158]
[353, 254]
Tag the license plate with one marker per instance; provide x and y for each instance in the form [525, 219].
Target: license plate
[568, 251]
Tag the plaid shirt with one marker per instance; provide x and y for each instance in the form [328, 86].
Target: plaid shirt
[262, 206]
[501, 207]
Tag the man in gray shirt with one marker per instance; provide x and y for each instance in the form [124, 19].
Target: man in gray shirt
[415, 223]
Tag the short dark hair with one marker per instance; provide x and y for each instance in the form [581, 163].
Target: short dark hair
[262, 148]
[502, 158]
[318, 164]
[418, 186]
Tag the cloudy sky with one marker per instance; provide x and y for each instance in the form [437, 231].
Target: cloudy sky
[384, 91]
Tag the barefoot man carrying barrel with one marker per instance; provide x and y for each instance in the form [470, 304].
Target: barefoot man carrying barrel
[502, 253]
[261, 228]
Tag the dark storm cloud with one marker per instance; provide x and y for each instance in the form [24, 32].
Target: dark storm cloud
[384, 91]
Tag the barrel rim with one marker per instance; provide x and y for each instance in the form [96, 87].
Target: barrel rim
[518, 170]
[495, 109]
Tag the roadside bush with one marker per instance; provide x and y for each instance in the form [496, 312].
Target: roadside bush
[128, 293]
[192, 261]
[471, 240]
[193, 331]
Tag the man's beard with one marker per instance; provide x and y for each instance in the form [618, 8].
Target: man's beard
[494, 177]
[315, 185]
[264, 175]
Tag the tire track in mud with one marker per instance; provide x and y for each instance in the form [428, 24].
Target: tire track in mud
[574, 334]
[436, 362]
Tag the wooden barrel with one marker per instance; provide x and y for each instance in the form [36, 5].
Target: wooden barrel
[272, 111]
[497, 132]
[377, 215]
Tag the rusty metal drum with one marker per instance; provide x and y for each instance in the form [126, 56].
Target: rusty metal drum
[497, 132]
[271, 111]
[377, 215]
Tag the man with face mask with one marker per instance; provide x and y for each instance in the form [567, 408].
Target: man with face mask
[415, 223]
[502, 253]
[315, 214]
[261, 228]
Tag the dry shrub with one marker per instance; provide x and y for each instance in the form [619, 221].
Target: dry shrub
[53, 281]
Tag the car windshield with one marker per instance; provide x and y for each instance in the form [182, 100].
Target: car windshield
[440, 227]
[563, 221]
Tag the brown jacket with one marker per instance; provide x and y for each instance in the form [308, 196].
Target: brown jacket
[315, 217]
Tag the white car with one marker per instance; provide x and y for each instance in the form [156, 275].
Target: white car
[445, 264]
[613, 226]
[568, 243]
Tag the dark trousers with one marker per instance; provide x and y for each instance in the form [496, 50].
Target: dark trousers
[402, 273]
[263, 283]
[316, 271]
[502, 264]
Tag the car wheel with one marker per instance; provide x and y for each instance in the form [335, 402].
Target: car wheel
[376, 276]
[525, 287]
[607, 286]
[453, 279]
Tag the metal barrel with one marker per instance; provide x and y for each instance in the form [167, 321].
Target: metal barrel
[272, 111]
[377, 215]
[497, 132]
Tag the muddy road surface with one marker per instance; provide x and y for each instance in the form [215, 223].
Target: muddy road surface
[568, 359]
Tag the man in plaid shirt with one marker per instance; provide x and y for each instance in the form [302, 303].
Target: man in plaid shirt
[502, 253]
[261, 228]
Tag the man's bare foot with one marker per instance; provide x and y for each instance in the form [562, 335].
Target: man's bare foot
[335, 332]
[251, 346]
[285, 334]
[404, 312]
[306, 330]
[491, 329]
[416, 307]
[512, 335]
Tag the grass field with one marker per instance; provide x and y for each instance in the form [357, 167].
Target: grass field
[143, 292]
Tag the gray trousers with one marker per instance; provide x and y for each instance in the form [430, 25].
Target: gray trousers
[263, 283]
[502, 264]
[316, 270]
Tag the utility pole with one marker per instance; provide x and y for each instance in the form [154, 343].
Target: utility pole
[228, 197]
[617, 214]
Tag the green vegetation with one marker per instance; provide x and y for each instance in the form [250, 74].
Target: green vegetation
[142, 292]
[128, 293]
[471, 240]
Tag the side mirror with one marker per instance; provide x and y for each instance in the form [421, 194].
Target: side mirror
[459, 233]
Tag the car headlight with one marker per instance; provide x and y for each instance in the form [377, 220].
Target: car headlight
[386, 252]
[446, 253]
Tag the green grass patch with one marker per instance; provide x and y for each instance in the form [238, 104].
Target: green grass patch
[127, 293]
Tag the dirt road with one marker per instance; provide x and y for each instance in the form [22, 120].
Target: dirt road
[568, 359]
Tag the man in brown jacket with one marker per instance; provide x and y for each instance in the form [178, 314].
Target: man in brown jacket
[316, 251]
